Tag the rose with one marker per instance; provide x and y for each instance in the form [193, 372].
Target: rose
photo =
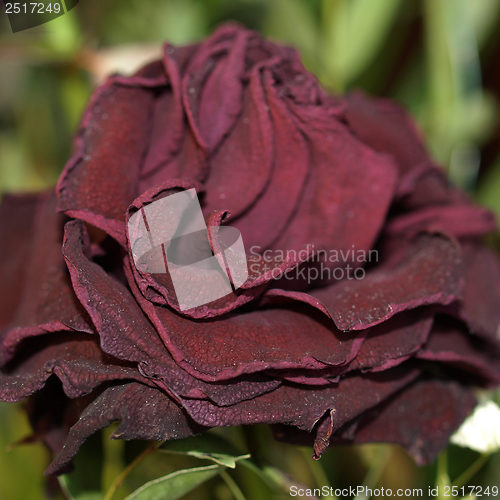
[393, 356]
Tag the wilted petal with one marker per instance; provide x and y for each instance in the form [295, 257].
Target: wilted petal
[451, 344]
[421, 418]
[427, 186]
[459, 220]
[430, 273]
[36, 293]
[75, 359]
[393, 341]
[282, 194]
[480, 305]
[51, 414]
[100, 180]
[16, 212]
[253, 341]
[241, 167]
[126, 333]
[180, 384]
[167, 126]
[158, 287]
[303, 407]
[384, 346]
[189, 163]
[123, 330]
[331, 213]
[144, 413]
[387, 128]
[212, 84]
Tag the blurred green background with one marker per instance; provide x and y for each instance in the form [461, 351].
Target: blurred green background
[439, 58]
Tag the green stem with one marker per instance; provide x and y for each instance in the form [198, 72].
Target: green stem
[114, 452]
[442, 477]
[379, 462]
[471, 471]
[316, 470]
[121, 477]
[231, 484]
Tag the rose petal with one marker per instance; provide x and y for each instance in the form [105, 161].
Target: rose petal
[75, 359]
[251, 342]
[384, 346]
[51, 414]
[427, 186]
[241, 167]
[126, 333]
[431, 273]
[158, 287]
[167, 127]
[189, 163]
[480, 306]
[459, 220]
[144, 413]
[386, 127]
[451, 344]
[212, 85]
[100, 180]
[37, 296]
[302, 407]
[421, 418]
[393, 341]
[15, 212]
[331, 213]
[107, 301]
[282, 193]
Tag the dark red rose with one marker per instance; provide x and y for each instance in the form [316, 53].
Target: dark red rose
[391, 354]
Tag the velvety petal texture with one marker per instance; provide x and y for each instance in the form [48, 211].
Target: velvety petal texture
[420, 418]
[370, 307]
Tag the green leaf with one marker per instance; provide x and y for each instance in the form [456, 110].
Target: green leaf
[175, 485]
[484, 18]
[293, 22]
[209, 447]
[354, 32]
[458, 112]
[218, 458]
[489, 187]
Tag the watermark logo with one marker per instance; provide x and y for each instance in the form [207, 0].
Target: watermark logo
[27, 14]
[322, 265]
[204, 263]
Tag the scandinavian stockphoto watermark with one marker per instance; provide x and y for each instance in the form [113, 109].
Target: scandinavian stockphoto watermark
[204, 263]
[323, 265]
[27, 14]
